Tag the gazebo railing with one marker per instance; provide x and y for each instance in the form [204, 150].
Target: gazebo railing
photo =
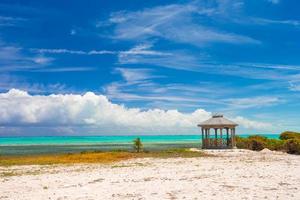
[217, 143]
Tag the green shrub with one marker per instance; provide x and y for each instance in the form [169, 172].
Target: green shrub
[292, 146]
[257, 143]
[289, 135]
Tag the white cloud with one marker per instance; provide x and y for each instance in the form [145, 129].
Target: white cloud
[144, 54]
[175, 23]
[143, 49]
[248, 124]
[68, 51]
[274, 1]
[182, 60]
[141, 54]
[65, 69]
[200, 62]
[271, 66]
[42, 60]
[11, 21]
[73, 32]
[253, 102]
[18, 108]
[134, 75]
[14, 58]
[264, 21]
[139, 86]
[9, 81]
[294, 86]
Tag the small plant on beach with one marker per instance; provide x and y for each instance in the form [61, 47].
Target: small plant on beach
[137, 145]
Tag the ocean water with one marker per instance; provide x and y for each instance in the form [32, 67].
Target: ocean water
[71, 144]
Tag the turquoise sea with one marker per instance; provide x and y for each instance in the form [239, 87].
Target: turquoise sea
[71, 144]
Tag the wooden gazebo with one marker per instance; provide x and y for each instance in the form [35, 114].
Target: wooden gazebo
[220, 139]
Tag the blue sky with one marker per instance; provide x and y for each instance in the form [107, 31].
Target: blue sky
[237, 57]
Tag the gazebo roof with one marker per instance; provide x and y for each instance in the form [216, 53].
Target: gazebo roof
[216, 121]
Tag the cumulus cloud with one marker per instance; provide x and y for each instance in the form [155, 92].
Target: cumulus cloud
[20, 109]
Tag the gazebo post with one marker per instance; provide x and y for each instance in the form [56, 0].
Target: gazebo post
[202, 131]
[221, 137]
[234, 145]
[232, 138]
[208, 131]
[216, 137]
[227, 136]
[205, 137]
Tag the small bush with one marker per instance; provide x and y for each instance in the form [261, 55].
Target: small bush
[289, 135]
[137, 145]
[292, 146]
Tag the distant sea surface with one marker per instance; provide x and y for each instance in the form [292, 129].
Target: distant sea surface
[72, 144]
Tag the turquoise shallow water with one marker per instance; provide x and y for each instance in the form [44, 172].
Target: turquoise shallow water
[80, 140]
[70, 144]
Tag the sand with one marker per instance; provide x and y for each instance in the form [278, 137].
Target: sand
[232, 174]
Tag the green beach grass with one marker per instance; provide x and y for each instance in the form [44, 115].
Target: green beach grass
[94, 157]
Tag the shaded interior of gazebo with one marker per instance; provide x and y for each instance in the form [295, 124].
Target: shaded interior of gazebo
[218, 133]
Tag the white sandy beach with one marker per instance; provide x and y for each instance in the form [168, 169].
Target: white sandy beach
[233, 174]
